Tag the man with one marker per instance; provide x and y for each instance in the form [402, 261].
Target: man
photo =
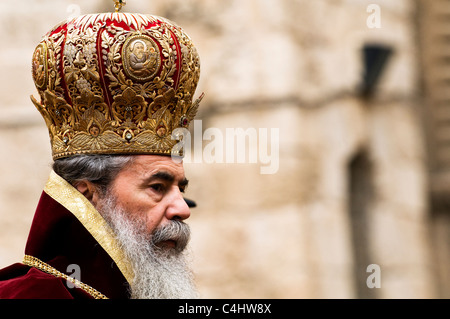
[140, 61]
[110, 222]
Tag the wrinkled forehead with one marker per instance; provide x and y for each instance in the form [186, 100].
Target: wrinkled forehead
[144, 166]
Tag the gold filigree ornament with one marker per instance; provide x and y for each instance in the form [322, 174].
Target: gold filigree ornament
[115, 83]
[118, 4]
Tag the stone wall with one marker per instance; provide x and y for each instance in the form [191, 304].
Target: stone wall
[309, 230]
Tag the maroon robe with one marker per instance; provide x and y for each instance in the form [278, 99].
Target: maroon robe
[59, 239]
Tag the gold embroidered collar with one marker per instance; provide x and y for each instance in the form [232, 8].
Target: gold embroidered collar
[69, 197]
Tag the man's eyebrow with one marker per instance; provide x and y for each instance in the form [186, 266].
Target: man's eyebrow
[168, 177]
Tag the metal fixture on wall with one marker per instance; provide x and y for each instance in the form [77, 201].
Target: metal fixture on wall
[375, 58]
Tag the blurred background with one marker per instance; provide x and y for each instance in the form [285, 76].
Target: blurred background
[360, 93]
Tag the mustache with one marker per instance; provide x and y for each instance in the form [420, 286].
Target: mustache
[176, 231]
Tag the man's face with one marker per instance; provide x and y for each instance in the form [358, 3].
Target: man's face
[151, 188]
[145, 208]
[139, 49]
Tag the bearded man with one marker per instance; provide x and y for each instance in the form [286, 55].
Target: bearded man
[110, 221]
[140, 60]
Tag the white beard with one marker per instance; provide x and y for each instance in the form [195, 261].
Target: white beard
[159, 272]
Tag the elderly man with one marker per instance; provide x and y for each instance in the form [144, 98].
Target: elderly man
[110, 222]
[142, 62]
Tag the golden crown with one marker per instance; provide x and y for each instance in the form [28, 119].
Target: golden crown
[115, 83]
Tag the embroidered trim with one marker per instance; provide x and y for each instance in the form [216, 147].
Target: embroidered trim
[39, 264]
[61, 191]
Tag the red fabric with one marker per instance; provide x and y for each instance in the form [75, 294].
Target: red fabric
[35, 284]
[59, 239]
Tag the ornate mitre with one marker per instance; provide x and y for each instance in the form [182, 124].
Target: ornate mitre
[115, 83]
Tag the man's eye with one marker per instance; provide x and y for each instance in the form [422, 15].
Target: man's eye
[157, 187]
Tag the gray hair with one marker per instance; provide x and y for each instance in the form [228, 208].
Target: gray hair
[100, 170]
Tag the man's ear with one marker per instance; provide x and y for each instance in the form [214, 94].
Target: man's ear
[89, 190]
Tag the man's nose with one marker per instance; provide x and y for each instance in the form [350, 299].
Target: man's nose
[177, 207]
